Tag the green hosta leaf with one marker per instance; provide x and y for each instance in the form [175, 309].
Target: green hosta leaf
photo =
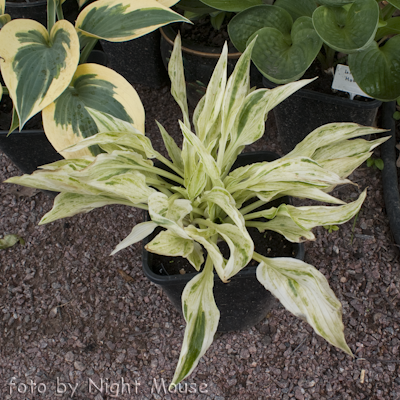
[169, 213]
[68, 120]
[139, 232]
[305, 292]
[248, 22]
[10, 241]
[284, 60]
[297, 8]
[348, 30]
[329, 134]
[167, 243]
[177, 77]
[195, 6]
[395, 3]
[214, 96]
[37, 67]
[335, 3]
[392, 27]
[377, 69]
[202, 316]
[122, 20]
[4, 19]
[69, 204]
[231, 5]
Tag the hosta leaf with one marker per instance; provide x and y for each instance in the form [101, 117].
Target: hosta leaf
[395, 3]
[167, 243]
[240, 245]
[284, 60]
[139, 232]
[392, 27]
[2, 6]
[223, 199]
[167, 3]
[232, 5]
[248, 22]
[347, 29]
[214, 96]
[329, 134]
[10, 241]
[37, 67]
[377, 69]
[177, 77]
[122, 20]
[69, 204]
[305, 292]
[208, 161]
[173, 150]
[202, 316]
[196, 257]
[4, 19]
[68, 121]
[197, 181]
[169, 213]
[335, 3]
[297, 8]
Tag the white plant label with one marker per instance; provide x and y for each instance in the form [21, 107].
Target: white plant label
[343, 80]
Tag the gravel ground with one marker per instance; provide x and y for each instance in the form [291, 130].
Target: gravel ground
[72, 317]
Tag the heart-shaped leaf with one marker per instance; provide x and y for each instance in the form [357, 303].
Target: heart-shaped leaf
[377, 69]
[392, 27]
[249, 21]
[395, 3]
[282, 61]
[66, 121]
[231, 5]
[347, 29]
[298, 8]
[37, 67]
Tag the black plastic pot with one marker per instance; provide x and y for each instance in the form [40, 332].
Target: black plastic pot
[138, 60]
[243, 302]
[28, 150]
[389, 172]
[306, 110]
[37, 10]
[199, 62]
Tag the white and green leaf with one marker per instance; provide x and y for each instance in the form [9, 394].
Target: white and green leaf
[305, 292]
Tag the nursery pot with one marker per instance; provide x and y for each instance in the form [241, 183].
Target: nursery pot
[389, 172]
[243, 302]
[199, 62]
[37, 10]
[138, 60]
[306, 110]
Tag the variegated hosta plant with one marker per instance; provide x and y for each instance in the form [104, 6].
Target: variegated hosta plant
[199, 201]
[45, 69]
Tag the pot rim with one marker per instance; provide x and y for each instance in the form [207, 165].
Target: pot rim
[164, 32]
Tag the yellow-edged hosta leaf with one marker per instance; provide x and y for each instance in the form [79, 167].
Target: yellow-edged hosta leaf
[202, 316]
[82, 3]
[167, 243]
[37, 67]
[67, 120]
[177, 77]
[139, 232]
[329, 134]
[122, 20]
[169, 213]
[69, 204]
[4, 19]
[305, 292]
